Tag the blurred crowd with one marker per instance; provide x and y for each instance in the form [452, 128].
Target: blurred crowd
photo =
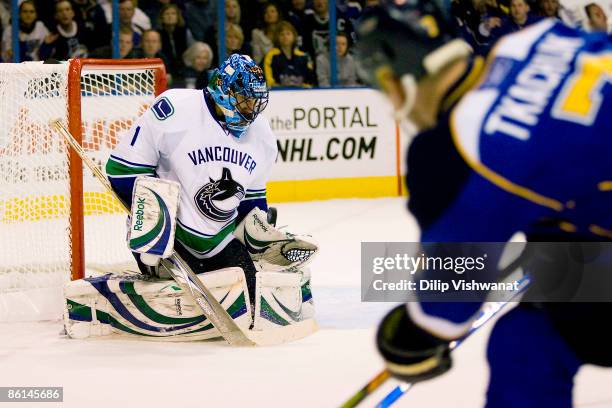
[289, 38]
[483, 22]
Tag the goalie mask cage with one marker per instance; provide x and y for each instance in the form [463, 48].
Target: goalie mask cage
[56, 219]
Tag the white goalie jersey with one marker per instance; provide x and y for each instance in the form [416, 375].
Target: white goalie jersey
[178, 139]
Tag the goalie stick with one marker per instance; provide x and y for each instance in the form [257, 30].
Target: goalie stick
[271, 216]
[177, 267]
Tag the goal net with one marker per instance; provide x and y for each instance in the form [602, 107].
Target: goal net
[56, 220]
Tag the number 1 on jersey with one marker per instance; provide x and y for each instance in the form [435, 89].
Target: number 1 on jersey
[135, 136]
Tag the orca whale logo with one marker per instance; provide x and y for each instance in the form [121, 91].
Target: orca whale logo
[215, 200]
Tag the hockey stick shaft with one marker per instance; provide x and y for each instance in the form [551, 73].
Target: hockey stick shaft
[189, 281]
[491, 309]
[383, 375]
[397, 392]
[367, 389]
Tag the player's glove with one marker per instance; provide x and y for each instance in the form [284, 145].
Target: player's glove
[272, 248]
[411, 354]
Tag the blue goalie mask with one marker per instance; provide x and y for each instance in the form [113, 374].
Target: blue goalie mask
[239, 89]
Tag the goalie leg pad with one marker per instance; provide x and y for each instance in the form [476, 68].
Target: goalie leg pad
[133, 304]
[282, 299]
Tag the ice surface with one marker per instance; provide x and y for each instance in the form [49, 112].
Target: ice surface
[319, 371]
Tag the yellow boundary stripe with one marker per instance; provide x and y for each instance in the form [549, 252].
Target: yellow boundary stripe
[325, 189]
[43, 207]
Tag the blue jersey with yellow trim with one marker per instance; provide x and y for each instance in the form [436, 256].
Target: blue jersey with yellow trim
[535, 133]
[528, 148]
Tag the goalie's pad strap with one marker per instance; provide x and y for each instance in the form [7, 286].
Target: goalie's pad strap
[153, 217]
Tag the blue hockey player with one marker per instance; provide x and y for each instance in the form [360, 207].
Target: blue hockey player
[519, 142]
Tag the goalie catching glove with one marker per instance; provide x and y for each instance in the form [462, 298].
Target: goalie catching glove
[270, 247]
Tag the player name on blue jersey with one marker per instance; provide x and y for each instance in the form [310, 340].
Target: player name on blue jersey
[534, 85]
[535, 130]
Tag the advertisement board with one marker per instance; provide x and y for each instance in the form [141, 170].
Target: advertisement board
[333, 143]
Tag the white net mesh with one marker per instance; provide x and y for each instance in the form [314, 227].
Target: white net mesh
[111, 101]
[34, 186]
[35, 226]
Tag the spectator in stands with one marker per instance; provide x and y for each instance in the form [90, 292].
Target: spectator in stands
[91, 16]
[492, 9]
[140, 17]
[139, 21]
[467, 19]
[32, 33]
[200, 15]
[262, 39]
[345, 64]
[5, 15]
[252, 9]
[598, 20]
[67, 39]
[491, 15]
[232, 16]
[197, 59]
[370, 3]
[549, 8]
[232, 11]
[316, 28]
[175, 36]
[151, 45]
[554, 9]
[296, 15]
[285, 65]
[350, 9]
[519, 18]
[151, 48]
[126, 47]
[45, 10]
[152, 7]
[127, 12]
[234, 40]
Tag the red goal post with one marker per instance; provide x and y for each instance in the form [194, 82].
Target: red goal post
[75, 125]
[57, 221]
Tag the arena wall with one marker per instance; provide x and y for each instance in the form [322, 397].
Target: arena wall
[334, 143]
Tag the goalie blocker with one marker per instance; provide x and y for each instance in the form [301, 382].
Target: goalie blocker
[152, 221]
